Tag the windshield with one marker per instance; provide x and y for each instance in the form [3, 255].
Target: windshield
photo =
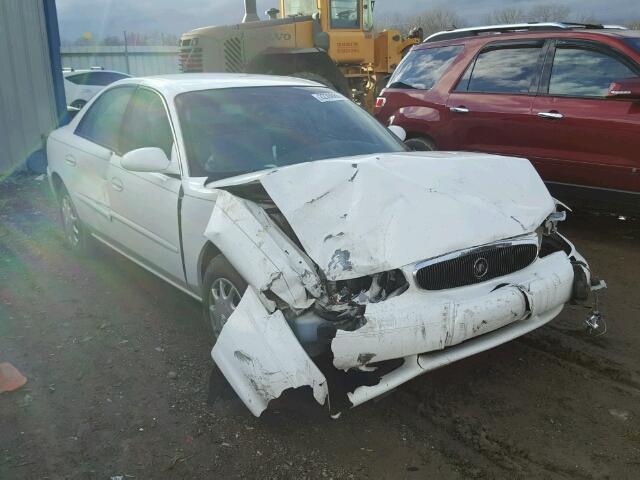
[300, 7]
[229, 132]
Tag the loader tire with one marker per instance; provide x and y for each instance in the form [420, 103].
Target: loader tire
[314, 77]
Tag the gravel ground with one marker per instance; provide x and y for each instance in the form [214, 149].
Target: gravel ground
[121, 382]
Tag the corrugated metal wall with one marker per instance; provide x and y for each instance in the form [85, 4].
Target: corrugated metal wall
[27, 102]
[142, 60]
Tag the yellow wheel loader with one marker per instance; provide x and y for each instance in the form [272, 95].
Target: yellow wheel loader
[328, 41]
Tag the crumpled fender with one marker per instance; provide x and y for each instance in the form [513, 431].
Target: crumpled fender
[263, 255]
[260, 356]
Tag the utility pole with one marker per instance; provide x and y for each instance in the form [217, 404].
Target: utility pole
[126, 53]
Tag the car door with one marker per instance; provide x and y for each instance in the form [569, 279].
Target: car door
[582, 137]
[144, 206]
[489, 109]
[95, 140]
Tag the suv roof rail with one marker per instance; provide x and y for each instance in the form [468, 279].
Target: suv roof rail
[514, 27]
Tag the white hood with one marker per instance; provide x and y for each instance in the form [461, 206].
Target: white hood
[362, 215]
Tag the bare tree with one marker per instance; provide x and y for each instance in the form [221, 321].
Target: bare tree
[437, 20]
[548, 13]
[586, 17]
[431, 21]
[506, 15]
[634, 25]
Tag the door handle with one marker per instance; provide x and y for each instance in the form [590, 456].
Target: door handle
[552, 115]
[460, 109]
[116, 184]
[70, 159]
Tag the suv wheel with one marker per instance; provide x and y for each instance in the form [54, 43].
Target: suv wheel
[421, 144]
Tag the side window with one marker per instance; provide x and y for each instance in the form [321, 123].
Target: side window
[104, 78]
[146, 123]
[423, 68]
[103, 121]
[502, 70]
[345, 14]
[78, 78]
[580, 72]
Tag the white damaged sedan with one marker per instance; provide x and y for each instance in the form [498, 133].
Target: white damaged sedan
[308, 231]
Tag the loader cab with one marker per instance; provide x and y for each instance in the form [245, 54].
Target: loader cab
[340, 14]
[349, 24]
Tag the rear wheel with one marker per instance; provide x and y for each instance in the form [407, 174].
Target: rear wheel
[421, 144]
[223, 288]
[78, 104]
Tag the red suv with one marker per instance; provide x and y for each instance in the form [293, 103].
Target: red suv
[565, 96]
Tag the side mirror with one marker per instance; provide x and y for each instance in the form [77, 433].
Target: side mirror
[148, 159]
[398, 131]
[628, 88]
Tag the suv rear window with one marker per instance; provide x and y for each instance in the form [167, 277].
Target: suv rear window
[635, 43]
[502, 70]
[422, 68]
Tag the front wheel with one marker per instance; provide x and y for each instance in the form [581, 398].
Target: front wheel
[222, 290]
[75, 233]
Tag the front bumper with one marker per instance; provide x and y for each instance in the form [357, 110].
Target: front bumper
[482, 316]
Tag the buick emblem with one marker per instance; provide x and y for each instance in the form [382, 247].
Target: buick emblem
[480, 267]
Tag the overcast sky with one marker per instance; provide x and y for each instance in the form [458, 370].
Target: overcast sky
[105, 17]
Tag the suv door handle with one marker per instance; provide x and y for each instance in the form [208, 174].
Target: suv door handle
[116, 184]
[460, 109]
[553, 115]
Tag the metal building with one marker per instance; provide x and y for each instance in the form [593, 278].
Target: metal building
[31, 86]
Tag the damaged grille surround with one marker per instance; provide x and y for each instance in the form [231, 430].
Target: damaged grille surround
[477, 264]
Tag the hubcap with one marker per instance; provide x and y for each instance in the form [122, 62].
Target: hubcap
[70, 222]
[224, 297]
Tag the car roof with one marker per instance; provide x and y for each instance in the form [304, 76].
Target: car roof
[67, 73]
[500, 32]
[175, 84]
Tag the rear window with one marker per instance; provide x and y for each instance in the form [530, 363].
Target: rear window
[635, 43]
[96, 78]
[422, 68]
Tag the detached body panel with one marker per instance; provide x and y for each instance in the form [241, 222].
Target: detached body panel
[260, 357]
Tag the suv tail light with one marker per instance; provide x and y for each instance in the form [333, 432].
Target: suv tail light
[380, 101]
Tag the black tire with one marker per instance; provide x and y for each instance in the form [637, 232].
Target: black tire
[76, 234]
[420, 144]
[78, 104]
[314, 77]
[219, 272]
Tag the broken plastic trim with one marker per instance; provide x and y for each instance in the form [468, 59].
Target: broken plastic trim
[261, 358]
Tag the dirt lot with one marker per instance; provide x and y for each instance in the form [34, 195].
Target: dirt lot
[121, 383]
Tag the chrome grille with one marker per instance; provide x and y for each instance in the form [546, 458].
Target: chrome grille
[233, 55]
[190, 58]
[476, 265]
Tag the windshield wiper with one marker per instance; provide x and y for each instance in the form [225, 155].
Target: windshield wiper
[401, 85]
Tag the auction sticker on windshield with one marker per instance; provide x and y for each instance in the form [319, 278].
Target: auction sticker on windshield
[328, 97]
